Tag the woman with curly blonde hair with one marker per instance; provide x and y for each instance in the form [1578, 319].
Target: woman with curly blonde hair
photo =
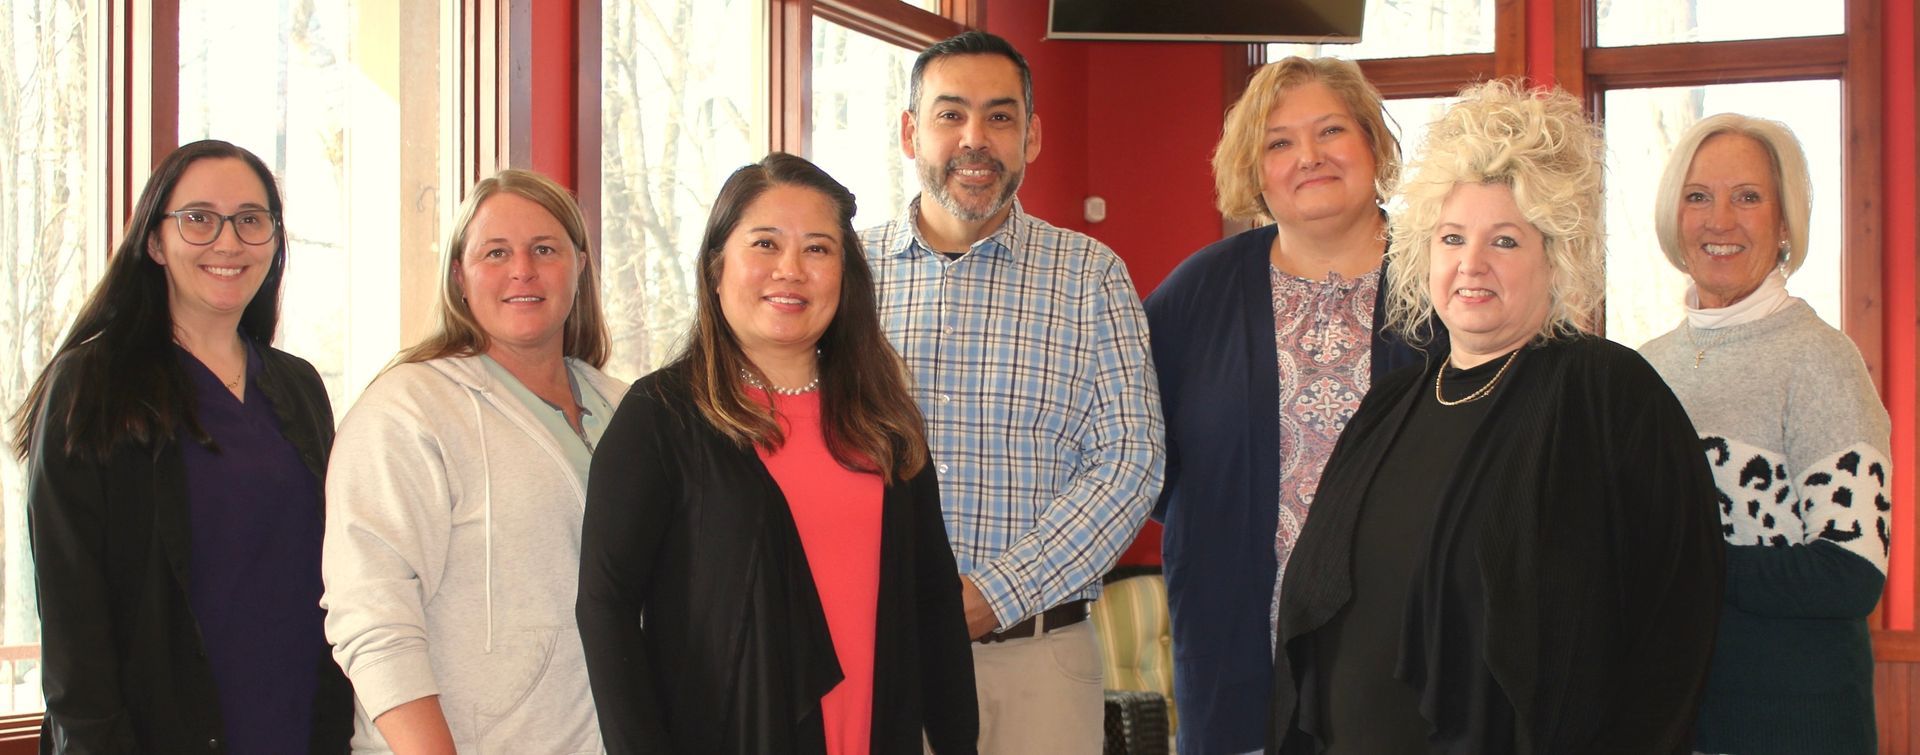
[1514, 549]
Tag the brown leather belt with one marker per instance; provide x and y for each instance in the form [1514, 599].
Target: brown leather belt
[1064, 615]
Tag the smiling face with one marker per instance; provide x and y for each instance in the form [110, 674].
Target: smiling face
[1730, 219]
[970, 136]
[1316, 164]
[212, 283]
[1488, 273]
[780, 273]
[519, 272]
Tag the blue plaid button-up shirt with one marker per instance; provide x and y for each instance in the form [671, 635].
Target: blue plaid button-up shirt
[1031, 363]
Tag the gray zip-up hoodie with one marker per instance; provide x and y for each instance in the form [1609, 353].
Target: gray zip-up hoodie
[451, 560]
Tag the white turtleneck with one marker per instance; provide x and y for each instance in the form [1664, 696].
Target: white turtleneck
[1769, 298]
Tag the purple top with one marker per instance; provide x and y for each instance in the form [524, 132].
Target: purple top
[256, 521]
[1323, 331]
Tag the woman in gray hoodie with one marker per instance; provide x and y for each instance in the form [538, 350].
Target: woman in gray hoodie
[457, 486]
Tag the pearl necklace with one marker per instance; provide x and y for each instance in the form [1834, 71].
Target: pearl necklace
[746, 376]
[1484, 391]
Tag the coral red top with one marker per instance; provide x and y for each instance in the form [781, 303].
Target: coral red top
[838, 513]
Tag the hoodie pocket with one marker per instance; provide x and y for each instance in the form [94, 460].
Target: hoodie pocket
[504, 678]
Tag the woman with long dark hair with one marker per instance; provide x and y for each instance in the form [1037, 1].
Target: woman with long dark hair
[767, 503]
[175, 463]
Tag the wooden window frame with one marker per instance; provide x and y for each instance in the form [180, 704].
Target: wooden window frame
[790, 49]
[1582, 67]
[789, 38]
[1852, 58]
[139, 64]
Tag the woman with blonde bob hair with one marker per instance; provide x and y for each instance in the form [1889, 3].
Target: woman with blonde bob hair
[1513, 550]
[1797, 440]
[1277, 333]
[458, 482]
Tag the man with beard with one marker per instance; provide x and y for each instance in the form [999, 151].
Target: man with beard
[1030, 359]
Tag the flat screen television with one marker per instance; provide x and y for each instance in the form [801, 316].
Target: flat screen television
[1207, 20]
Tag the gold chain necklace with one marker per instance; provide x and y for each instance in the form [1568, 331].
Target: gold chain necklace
[1484, 391]
[232, 385]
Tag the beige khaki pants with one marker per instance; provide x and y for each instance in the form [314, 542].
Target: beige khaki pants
[1041, 695]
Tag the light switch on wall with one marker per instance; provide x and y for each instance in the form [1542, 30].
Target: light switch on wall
[1096, 209]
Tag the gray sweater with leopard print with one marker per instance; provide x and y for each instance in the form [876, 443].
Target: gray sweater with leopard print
[1797, 439]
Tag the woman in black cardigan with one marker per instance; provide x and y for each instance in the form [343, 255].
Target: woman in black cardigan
[174, 464]
[727, 480]
[1516, 549]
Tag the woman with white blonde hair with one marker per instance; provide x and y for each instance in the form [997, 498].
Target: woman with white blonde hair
[1798, 447]
[1514, 549]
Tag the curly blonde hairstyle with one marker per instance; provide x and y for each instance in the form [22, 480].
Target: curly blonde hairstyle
[1236, 159]
[1536, 142]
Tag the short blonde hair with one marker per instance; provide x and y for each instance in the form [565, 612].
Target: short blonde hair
[1789, 166]
[457, 333]
[1236, 159]
[1536, 142]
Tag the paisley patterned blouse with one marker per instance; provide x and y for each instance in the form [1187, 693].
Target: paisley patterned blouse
[1323, 331]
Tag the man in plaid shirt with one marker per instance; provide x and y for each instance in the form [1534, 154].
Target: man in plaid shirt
[1029, 352]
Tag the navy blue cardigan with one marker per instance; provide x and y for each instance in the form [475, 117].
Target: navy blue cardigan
[1213, 346]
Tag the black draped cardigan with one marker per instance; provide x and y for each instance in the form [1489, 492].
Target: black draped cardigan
[1601, 558]
[702, 627]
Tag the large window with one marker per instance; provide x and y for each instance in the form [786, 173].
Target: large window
[1648, 22]
[51, 207]
[1648, 69]
[859, 91]
[348, 103]
[1408, 29]
[677, 116]
[1644, 292]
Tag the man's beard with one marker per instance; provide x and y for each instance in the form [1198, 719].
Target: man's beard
[933, 178]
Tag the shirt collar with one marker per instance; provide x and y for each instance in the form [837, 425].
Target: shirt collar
[1008, 237]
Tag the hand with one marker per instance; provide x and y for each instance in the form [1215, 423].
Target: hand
[980, 616]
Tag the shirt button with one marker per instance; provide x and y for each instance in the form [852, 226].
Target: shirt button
[946, 399]
[941, 468]
[213, 743]
[947, 330]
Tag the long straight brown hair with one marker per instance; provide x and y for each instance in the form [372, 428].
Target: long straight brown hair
[870, 419]
[126, 384]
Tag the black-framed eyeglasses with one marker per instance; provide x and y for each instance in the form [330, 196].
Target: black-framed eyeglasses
[201, 227]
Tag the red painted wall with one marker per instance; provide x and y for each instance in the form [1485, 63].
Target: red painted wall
[1902, 315]
[554, 102]
[1056, 182]
[1132, 123]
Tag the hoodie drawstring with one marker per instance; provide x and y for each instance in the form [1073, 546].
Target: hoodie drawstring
[486, 508]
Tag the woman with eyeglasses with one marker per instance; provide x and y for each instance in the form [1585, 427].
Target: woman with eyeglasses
[175, 462]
